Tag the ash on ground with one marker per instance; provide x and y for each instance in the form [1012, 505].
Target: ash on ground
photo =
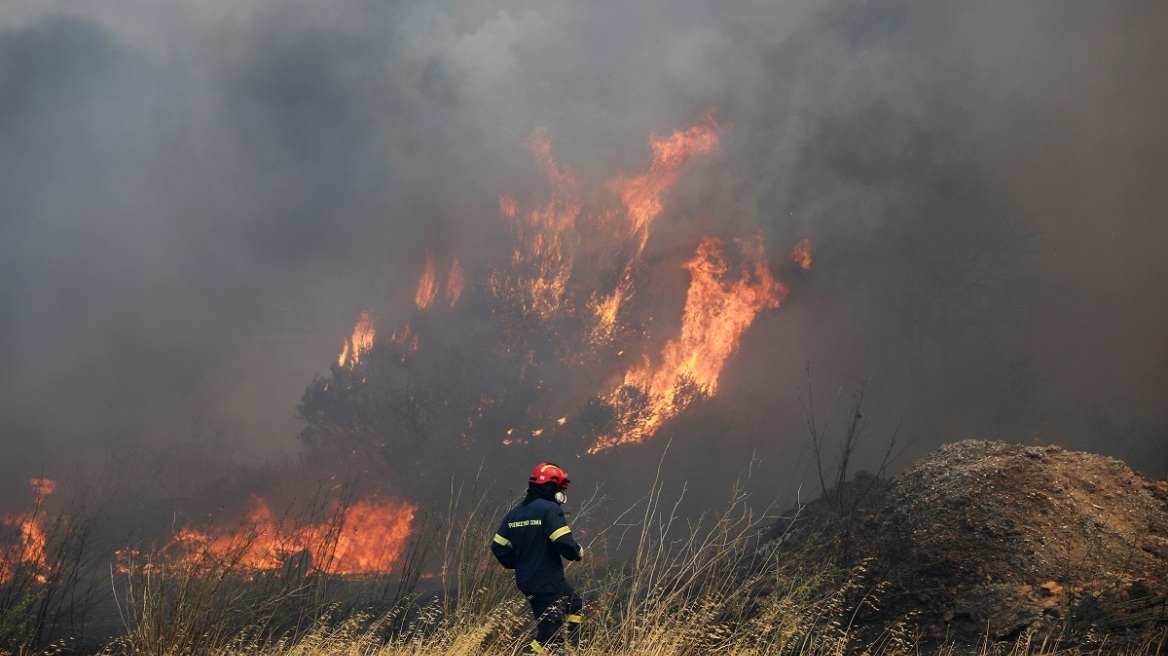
[987, 540]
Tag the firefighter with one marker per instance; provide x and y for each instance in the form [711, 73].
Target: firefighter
[531, 540]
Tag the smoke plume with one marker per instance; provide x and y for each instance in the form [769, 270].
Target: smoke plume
[199, 199]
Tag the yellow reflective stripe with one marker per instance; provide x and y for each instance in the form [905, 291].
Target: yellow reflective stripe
[574, 619]
[537, 648]
[500, 540]
[559, 533]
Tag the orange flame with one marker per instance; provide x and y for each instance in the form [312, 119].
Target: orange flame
[606, 310]
[542, 257]
[366, 537]
[801, 254]
[361, 342]
[428, 285]
[407, 340]
[642, 195]
[30, 550]
[717, 312]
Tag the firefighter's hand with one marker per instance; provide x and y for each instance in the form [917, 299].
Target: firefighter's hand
[580, 552]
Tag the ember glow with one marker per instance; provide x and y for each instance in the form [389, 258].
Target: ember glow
[428, 285]
[363, 538]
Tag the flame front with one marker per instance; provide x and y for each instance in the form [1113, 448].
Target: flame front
[366, 537]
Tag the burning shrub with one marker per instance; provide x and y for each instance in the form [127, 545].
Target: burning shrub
[557, 335]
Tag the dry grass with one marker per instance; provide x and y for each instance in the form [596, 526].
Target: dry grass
[679, 588]
[654, 583]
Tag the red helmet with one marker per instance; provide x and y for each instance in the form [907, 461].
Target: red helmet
[547, 472]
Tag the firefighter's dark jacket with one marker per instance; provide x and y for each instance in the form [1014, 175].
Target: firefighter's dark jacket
[531, 540]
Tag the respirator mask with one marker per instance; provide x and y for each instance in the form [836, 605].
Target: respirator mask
[561, 497]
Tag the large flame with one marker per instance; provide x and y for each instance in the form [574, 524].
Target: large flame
[28, 552]
[719, 307]
[366, 537]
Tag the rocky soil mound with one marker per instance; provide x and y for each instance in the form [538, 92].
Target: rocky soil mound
[987, 538]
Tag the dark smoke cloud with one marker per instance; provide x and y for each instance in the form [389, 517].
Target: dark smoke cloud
[197, 199]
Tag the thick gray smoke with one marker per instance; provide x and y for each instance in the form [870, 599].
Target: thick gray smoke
[198, 198]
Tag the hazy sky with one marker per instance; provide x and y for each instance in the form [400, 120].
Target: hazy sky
[198, 198]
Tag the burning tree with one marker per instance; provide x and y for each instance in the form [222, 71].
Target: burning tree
[558, 342]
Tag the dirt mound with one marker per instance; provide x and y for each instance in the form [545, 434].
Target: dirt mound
[987, 537]
[1001, 537]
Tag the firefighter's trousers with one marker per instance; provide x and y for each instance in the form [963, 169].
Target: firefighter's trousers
[557, 618]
